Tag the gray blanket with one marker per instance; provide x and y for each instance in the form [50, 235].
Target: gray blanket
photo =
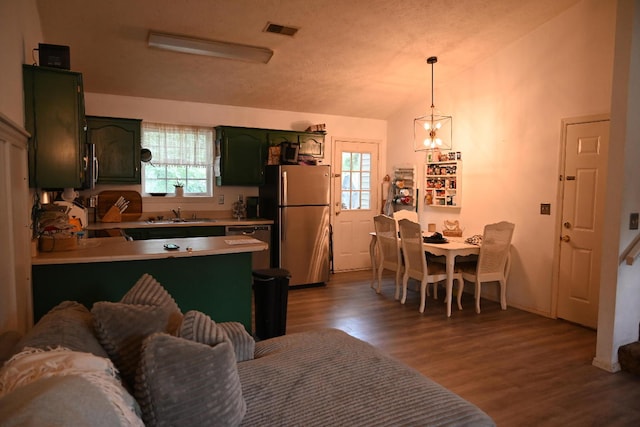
[328, 378]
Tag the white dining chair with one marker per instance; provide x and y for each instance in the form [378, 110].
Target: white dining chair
[405, 214]
[415, 262]
[494, 261]
[388, 249]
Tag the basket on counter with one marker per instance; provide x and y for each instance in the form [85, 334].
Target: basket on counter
[57, 242]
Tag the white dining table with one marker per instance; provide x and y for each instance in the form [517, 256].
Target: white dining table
[456, 246]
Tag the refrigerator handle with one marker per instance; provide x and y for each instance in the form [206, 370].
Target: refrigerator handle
[283, 227]
[285, 188]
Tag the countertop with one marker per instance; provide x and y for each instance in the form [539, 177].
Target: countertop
[109, 249]
[169, 223]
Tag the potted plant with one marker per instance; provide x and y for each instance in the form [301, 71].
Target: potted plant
[179, 186]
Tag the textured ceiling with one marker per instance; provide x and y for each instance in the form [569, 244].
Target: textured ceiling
[361, 58]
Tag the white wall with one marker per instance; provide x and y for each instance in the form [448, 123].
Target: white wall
[178, 112]
[507, 114]
[619, 312]
[19, 34]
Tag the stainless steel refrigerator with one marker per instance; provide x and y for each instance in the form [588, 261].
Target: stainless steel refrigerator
[296, 198]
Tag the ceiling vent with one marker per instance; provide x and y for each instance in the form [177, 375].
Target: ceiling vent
[280, 29]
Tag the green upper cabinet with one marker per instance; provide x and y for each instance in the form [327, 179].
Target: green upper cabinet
[54, 116]
[243, 153]
[311, 144]
[117, 144]
[277, 137]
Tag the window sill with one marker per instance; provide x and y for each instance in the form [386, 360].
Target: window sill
[170, 198]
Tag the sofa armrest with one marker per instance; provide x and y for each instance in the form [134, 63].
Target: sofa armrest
[8, 341]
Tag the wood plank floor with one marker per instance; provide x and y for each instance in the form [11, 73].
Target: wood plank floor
[520, 368]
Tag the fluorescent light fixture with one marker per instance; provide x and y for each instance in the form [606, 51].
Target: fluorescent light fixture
[209, 47]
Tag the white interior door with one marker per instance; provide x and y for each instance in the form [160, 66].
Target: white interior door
[586, 147]
[355, 202]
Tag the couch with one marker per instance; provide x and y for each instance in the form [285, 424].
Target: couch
[140, 361]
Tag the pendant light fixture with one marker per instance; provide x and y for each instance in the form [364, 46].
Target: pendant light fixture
[433, 130]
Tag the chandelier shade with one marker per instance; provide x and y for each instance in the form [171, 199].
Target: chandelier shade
[434, 129]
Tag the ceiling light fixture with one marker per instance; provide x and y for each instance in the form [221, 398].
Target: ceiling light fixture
[209, 47]
[432, 130]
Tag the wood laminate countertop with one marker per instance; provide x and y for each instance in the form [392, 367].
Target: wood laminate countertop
[109, 249]
[169, 223]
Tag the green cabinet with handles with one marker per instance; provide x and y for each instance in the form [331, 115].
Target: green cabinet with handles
[243, 154]
[55, 118]
[147, 233]
[117, 142]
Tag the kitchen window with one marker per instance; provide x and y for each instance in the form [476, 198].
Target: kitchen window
[180, 155]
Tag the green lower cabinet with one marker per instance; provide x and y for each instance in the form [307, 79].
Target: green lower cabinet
[206, 231]
[166, 233]
[173, 232]
[217, 285]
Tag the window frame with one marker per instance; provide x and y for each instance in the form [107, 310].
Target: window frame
[209, 178]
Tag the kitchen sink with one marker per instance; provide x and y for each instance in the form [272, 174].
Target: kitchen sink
[197, 220]
[179, 220]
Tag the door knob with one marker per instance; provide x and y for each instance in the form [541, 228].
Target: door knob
[565, 238]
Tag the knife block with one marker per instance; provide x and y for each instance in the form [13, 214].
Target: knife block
[112, 215]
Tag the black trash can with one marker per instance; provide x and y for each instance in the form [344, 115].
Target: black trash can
[271, 293]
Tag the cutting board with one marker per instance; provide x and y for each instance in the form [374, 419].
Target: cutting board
[107, 198]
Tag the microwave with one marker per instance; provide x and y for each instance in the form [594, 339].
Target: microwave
[289, 152]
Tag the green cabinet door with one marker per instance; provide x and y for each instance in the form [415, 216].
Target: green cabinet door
[243, 153]
[312, 144]
[149, 233]
[277, 137]
[206, 231]
[117, 144]
[54, 116]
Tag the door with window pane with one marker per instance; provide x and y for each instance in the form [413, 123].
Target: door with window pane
[356, 190]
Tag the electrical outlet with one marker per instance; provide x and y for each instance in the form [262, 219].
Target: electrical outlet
[633, 221]
[545, 208]
[221, 199]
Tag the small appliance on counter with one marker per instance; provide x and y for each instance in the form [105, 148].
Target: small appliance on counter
[77, 213]
[253, 208]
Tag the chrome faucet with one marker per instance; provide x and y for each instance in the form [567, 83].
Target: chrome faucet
[177, 213]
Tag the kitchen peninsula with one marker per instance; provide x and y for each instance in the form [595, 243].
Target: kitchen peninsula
[209, 274]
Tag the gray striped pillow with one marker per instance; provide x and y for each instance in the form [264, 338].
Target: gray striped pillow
[243, 344]
[185, 383]
[197, 326]
[121, 328]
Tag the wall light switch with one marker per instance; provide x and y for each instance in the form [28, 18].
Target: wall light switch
[221, 199]
[633, 221]
[545, 208]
